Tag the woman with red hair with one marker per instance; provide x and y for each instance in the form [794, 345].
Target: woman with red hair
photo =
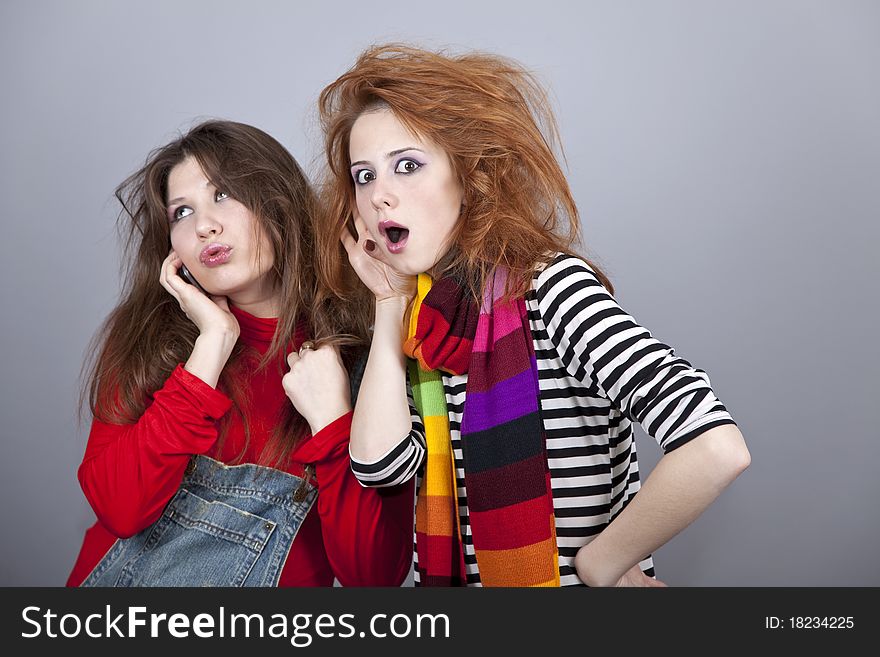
[525, 374]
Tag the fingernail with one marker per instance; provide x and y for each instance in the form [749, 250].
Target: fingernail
[370, 245]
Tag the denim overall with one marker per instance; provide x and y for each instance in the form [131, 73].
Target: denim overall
[225, 526]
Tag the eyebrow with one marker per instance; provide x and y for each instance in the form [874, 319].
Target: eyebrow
[183, 198]
[389, 155]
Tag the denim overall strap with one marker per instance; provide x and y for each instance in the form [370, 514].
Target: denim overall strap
[225, 526]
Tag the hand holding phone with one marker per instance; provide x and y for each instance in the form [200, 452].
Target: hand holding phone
[218, 328]
[185, 274]
[210, 313]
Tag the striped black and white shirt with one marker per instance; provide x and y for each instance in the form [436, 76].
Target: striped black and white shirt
[599, 372]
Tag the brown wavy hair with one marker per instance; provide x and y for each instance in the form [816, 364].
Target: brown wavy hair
[493, 119]
[147, 334]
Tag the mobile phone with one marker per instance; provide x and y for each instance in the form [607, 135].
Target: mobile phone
[189, 278]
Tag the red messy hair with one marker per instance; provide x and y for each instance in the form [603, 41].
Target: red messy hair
[494, 121]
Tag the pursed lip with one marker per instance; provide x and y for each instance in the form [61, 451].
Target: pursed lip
[215, 254]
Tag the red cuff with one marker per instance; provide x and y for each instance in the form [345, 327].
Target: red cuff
[326, 441]
[212, 402]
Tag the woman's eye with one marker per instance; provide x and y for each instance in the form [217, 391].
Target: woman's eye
[219, 196]
[181, 212]
[364, 176]
[407, 166]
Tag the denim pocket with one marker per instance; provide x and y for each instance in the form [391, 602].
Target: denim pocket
[221, 541]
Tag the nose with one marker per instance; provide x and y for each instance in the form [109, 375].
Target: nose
[382, 196]
[208, 226]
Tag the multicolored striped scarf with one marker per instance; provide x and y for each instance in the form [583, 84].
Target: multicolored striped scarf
[502, 436]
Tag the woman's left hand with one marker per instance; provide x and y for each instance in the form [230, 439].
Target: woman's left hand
[634, 577]
[317, 385]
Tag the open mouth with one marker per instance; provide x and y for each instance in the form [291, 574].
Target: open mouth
[395, 235]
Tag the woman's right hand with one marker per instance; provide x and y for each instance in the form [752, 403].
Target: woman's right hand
[371, 267]
[218, 328]
[210, 314]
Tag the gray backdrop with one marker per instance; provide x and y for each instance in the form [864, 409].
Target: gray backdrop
[725, 156]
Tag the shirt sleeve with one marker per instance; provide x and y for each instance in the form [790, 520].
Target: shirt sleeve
[131, 471]
[603, 347]
[367, 532]
[401, 462]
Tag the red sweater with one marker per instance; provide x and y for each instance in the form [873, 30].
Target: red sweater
[362, 536]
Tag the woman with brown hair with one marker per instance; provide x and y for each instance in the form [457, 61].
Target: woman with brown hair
[221, 402]
[526, 375]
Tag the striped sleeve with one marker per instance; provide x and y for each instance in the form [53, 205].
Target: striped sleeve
[602, 346]
[402, 461]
